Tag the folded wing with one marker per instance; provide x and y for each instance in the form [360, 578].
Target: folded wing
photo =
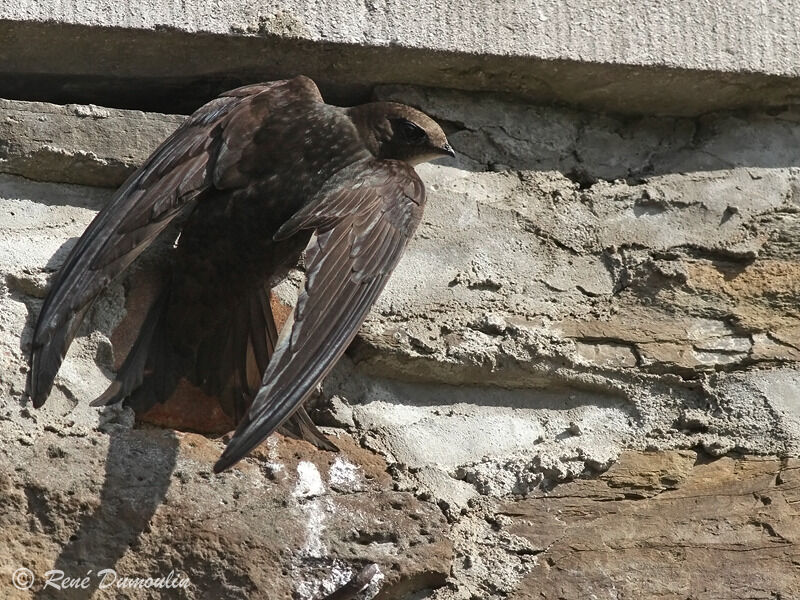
[199, 155]
[362, 222]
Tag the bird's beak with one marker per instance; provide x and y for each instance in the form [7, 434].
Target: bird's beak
[447, 149]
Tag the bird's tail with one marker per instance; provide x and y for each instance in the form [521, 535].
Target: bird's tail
[152, 368]
[227, 364]
[231, 362]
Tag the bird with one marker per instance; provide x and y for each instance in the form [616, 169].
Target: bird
[251, 183]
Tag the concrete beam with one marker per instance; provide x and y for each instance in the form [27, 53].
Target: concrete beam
[649, 57]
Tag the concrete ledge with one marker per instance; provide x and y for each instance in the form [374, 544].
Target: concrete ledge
[649, 58]
[742, 36]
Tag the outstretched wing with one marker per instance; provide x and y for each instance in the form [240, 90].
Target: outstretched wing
[202, 153]
[362, 220]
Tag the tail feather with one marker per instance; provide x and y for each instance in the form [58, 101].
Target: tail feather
[148, 374]
[232, 358]
[235, 366]
[301, 427]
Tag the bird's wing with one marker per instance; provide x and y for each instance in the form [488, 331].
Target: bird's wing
[202, 153]
[362, 222]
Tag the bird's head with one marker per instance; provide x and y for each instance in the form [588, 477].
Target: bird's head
[397, 131]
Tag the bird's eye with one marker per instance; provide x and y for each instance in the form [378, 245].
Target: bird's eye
[411, 132]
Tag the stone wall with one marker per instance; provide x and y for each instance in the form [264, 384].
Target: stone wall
[581, 382]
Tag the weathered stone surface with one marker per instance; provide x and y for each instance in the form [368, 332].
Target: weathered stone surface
[581, 285]
[291, 524]
[665, 526]
[89, 145]
[646, 57]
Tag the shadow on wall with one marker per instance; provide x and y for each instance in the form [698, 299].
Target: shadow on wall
[139, 468]
[139, 463]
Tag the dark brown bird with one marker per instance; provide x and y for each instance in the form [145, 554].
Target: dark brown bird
[252, 179]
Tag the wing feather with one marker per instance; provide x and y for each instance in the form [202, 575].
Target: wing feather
[361, 232]
[180, 170]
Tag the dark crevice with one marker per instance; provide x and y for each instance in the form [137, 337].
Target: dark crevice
[581, 176]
